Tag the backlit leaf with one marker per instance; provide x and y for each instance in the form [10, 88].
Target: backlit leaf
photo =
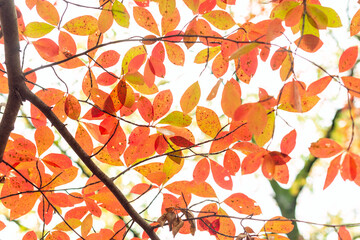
[332, 171]
[348, 169]
[190, 98]
[355, 24]
[37, 29]
[344, 234]
[309, 43]
[206, 54]
[48, 12]
[214, 91]
[175, 53]
[281, 226]
[220, 19]
[57, 160]
[231, 97]
[201, 170]
[352, 84]
[69, 225]
[219, 66]
[348, 58]
[318, 86]
[162, 103]
[129, 55]
[107, 59]
[208, 121]
[31, 235]
[325, 148]
[288, 142]
[84, 25]
[145, 19]
[201, 189]
[120, 14]
[44, 138]
[106, 18]
[84, 139]
[221, 175]
[242, 204]
[245, 49]
[153, 172]
[145, 109]
[105, 157]
[256, 118]
[72, 107]
[232, 162]
[86, 225]
[177, 118]
[169, 22]
[46, 48]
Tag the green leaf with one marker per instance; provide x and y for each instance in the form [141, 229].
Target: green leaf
[37, 29]
[83, 25]
[120, 14]
[176, 118]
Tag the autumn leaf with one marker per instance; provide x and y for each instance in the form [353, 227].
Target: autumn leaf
[145, 19]
[220, 19]
[175, 53]
[37, 29]
[242, 204]
[355, 24]
[348, 58]
[278, 226]
[231, 97]
[288, 142]
[48, 12]
[176, 118]
[83, 25]
[162, 104]
[332, 171]
[221, 175]
[190, 98]
[208, 121]
[344, 234]
[120, 14]
[44, 138]
[325, 148]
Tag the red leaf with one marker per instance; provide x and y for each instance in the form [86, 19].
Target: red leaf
[181, 142]
[145, 109]
[106, 79]
[344, 234]
[2, 226]
[31, 235]
[201, 170]
[325, 148]
[288, 142]
[46, 48]
[332, 171]
[278, 58]
[221, 175]
[348, 58]
[107, 59]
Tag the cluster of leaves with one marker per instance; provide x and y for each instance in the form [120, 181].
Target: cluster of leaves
[161, 139]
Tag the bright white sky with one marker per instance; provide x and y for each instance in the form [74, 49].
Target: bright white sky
[314, 204]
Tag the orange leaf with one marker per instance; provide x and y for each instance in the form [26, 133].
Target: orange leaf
[332, 171]
[72, 107]
[107, 59]
[46, 48]
[145, 19]
[153, 172]
[231, 97]
[201, 170]
[325, 148]
[220, 19]
[281, 173]
[348, 58]
[288, 142]
[222, 142]
[352, 84]
[55, 235]
[219, 66]
[105, 157]
[120, 230]
[31, 235]
[355, 24]
[318, 86]
[57, 160]
[175, 53]
[214, 91]
[141, 188]
[249, 62]
[162, 104]
[232, 162]
[257, 118]
[106, 18]
[190, 98]
[44, 138]
[221, 175]
[242, 204]
[69, 225]
[129, 56]
[84, 25]
[145, 109]
[348, 169]
[251, 162]
[201, 189]
[344, 234]
[170, 21]
[117, 144]
[86, 225]
[208, 121]
[227, 226]
[84, 139]
[48, 12]
[102, 100]
[24, 205]
[278, 58]
[309, 43]
[2, 226]
[107, 200]
[278, 226]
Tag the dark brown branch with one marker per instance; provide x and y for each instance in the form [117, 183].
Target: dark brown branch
[46, 110]
[8, 18]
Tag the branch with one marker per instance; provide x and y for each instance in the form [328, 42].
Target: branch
[46, 110]
[9, 28]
